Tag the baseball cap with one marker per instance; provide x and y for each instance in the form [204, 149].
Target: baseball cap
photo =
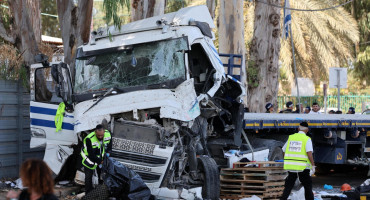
[289, 104]
[268, 106]
[352, 109]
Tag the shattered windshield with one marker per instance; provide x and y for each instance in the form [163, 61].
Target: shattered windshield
[140, 65]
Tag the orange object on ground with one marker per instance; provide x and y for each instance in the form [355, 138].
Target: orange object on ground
[345, 187]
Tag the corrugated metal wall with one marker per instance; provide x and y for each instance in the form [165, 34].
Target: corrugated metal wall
[14, 129]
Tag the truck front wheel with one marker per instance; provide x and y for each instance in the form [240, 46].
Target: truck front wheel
[211, 177]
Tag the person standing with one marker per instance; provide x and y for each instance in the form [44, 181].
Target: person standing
[37, 178]
[351, 110]
[96, 145]
[269, 108]
[298, 161]
[298, 108]
[307, 110]
[315, 109]
[289, 108]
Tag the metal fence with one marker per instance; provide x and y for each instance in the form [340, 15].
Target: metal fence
[332, 102]
[14, 129]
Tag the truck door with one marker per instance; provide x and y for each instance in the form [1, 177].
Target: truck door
[43, 107]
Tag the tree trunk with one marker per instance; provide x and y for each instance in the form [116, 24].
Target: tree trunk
[231, 31]
[263, 66]
[35, 17]
[75, 26]
[141, 9]
[211, 4]
[25, 39]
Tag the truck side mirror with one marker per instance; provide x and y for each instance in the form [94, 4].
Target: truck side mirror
[43, 59]
[60, 74]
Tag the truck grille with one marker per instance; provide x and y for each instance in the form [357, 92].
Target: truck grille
[132, 146]
[130, 157]
[148, 177]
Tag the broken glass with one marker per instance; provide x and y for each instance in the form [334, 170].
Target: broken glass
[156, 62]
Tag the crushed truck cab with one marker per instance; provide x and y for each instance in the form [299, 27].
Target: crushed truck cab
[159, 86]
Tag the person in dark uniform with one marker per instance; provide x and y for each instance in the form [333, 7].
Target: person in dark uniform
[269, 108]
[96, 145]
[351, 110]
[298, 108]
[307, 110]
[289, 108]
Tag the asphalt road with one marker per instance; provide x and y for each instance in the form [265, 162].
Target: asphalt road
[354, 176]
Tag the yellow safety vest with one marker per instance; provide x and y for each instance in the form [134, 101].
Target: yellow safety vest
[95, 142]
[59, 117]
[295, 157]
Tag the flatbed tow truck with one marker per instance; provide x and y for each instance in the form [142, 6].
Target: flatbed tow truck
[173, 108]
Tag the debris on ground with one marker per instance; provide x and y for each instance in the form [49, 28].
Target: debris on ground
[328, 187]
[192, 194]
[364, 187]
[254, 197]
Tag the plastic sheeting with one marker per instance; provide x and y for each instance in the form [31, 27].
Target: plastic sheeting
[124, 183]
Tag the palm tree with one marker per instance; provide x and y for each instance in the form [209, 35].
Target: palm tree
[321, 39]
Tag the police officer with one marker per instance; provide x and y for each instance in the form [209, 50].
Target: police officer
[298, 161]
[96, 145]
[351, 110]
[298, 108]
[269, 108]
[307, 110]
[289, 108]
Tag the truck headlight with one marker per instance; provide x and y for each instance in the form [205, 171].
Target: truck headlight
[38, 133]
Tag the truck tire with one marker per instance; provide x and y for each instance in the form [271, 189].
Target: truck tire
[211, 182]
[276, 154]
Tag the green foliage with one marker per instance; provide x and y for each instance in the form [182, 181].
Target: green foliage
[360, 10]
[5, 19]
[252, 74]
[362, 66]
[50, 24]
[175, 5]
[111, 8]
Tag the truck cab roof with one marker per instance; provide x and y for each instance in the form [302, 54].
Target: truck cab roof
[192, 22]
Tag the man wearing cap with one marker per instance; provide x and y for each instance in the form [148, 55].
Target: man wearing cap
[298, 161]
[269, 108]
[289, 108]
[351, 110]
[307, 110]
[315, 109]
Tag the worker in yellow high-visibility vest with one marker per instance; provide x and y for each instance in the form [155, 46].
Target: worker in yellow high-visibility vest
[97, 146]
[298, 161]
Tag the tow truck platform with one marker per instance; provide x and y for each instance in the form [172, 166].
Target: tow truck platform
[259, 121]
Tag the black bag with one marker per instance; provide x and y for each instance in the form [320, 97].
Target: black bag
[364, 189]
[124, 183]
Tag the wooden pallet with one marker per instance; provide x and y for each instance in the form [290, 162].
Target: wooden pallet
[263, 179]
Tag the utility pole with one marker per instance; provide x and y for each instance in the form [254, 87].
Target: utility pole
[295, 68]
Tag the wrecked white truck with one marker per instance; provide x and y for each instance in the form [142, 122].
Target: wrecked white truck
[159, 86]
